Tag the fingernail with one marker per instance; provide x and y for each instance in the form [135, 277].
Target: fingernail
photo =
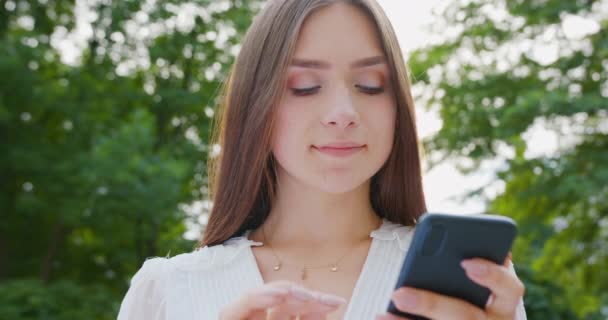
[474, 268]
[302, 293]
[405, 299]
[490, 300]
[332, 300]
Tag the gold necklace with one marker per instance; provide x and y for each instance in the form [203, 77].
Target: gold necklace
[303, 273]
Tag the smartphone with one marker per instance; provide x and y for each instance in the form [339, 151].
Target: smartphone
[440, 242]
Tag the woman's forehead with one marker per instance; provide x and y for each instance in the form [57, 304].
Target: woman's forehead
[340, 31]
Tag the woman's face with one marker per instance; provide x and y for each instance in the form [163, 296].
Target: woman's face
[335, 122]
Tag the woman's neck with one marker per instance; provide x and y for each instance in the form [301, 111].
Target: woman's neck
[304, 217]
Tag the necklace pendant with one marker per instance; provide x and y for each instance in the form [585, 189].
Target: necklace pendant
[277, 267]
[304, 275]
[334, 268]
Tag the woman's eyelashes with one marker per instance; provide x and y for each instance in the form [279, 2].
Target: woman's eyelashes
[305, 91]
[370, 90]
[312, 90]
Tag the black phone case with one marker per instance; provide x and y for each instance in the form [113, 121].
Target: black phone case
[433, 261]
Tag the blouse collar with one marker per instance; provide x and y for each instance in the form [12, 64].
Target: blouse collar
[387, 231]
[208, 257]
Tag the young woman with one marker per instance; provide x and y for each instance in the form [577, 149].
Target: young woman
[317, 188]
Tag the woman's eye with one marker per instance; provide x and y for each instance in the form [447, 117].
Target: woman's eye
[305, 91]
[313, 90]
[370, 90]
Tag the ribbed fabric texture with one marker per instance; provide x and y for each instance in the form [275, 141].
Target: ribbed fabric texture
[377, 280]
[197, 285]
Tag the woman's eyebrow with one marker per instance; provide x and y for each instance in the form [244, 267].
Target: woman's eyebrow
[319, 64]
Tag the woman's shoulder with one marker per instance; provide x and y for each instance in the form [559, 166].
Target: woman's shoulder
[151, 285]
[203, 258]
[390, 231]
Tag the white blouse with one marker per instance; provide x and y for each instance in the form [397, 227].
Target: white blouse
[197, 285]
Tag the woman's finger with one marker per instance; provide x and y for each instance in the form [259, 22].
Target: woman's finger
[435, 306]
[505, 286]
[253, 305]
[507, 262]
[313, 316]
[282, 300]
[304, 302]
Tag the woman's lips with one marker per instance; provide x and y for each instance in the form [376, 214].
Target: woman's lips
[339, 151]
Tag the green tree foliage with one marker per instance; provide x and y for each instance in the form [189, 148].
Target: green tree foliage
[512, 78]
[98, 154]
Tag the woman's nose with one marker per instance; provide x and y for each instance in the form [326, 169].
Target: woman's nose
[341, 112]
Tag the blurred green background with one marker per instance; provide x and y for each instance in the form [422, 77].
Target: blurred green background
[102, 159]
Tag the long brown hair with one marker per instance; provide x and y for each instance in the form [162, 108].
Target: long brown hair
[242, 177]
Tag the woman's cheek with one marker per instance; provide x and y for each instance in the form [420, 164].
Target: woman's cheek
[285, 135]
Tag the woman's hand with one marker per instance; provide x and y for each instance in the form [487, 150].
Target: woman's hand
[506, 288]
[281, 300]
